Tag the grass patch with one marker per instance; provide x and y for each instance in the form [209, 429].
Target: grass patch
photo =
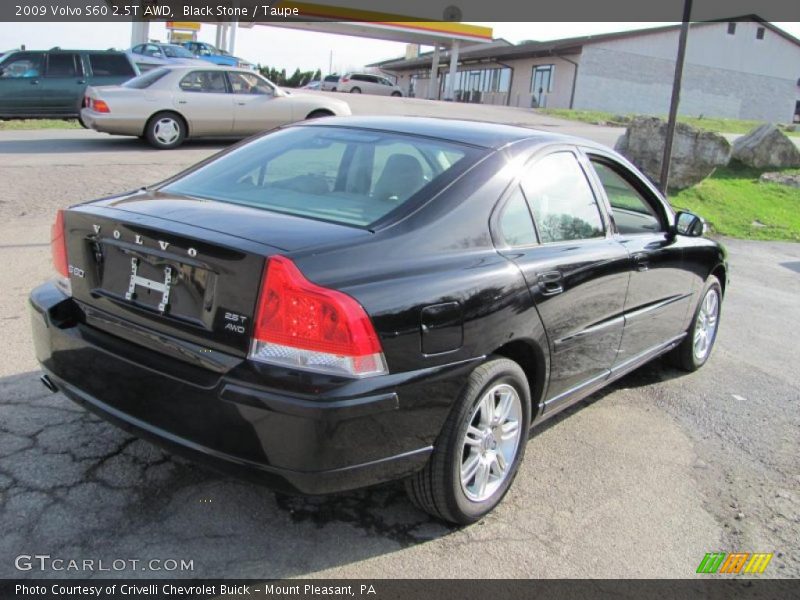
[717, 125]
[735, 204]
[39, 124]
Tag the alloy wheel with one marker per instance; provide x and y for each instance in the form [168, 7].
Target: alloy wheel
[705, 328]
[491, 442]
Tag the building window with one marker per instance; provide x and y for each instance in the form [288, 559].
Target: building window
[542, 81]
[731, 28]
[760, 33]
[473, 85]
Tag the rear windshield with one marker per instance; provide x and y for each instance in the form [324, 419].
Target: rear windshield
[347, 176]
[145, 81]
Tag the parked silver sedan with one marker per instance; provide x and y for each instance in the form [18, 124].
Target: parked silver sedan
[167, 105]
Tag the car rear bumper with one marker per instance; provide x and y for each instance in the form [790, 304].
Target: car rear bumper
[110, 123]
[347, 435]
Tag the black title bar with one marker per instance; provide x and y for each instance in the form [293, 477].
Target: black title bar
[470, 11]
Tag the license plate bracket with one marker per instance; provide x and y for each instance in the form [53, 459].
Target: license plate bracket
[164, 287]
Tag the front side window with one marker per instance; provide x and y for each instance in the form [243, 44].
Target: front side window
[516, 225]
[208, 82]
[345, 176]
[248, 83]
[23, 65]
[561, 199]
[632, 212]
[63, 65]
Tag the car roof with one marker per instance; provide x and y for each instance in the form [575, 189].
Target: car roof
[475, 133]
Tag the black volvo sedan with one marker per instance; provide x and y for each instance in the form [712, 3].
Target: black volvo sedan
[348, 301]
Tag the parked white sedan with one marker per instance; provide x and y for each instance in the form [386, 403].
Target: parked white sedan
[169, 104]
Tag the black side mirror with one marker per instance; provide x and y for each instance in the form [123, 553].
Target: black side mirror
[689, 224]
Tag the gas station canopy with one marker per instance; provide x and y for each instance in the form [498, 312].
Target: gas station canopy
[361, 23]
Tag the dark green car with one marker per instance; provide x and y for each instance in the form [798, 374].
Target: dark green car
[51, 83]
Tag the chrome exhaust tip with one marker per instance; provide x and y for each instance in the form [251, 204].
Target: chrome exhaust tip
[48, 383]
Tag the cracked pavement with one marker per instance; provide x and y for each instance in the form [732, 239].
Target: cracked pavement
[641, 480]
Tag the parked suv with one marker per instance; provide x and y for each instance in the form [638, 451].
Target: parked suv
[51, 83]
[364, 83]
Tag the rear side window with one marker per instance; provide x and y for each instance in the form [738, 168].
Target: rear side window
[563, 204]
[516, 225]
[346, 176]
[110, 65]
[209, 82]
[145, 81]
[332, 78]
[63, 65]
[22, 65]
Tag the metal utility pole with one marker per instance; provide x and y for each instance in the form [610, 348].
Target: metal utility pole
[330, 62]
[676, 96]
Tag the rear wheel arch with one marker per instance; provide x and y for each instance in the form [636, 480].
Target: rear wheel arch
[532, 359]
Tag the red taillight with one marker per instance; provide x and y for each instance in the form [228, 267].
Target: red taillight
[100, 106]
[301, 324]
[58, 245]
[345, 79]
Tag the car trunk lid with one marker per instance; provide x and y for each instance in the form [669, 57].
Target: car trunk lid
[186, 269]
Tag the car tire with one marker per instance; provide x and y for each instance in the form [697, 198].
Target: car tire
[318, 114]
[469, 438]
[355, 90]
[396, 94]
[695, 349]
[165, 130]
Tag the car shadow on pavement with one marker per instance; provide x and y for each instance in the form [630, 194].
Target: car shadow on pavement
[652, 373]
[72, 485]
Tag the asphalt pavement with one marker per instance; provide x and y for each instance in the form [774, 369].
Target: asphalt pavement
[640, 480]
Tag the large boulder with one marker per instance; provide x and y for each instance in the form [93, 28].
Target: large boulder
[788, 179]
[766, 146]
[695, 153]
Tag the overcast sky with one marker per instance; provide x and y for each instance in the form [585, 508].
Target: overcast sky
[284, 48]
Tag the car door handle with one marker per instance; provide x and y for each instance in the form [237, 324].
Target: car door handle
[81, 81]
[641, 260]
[181, 101]
[34, 82]
[551, 283]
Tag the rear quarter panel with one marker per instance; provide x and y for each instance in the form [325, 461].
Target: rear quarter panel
[441, 254]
